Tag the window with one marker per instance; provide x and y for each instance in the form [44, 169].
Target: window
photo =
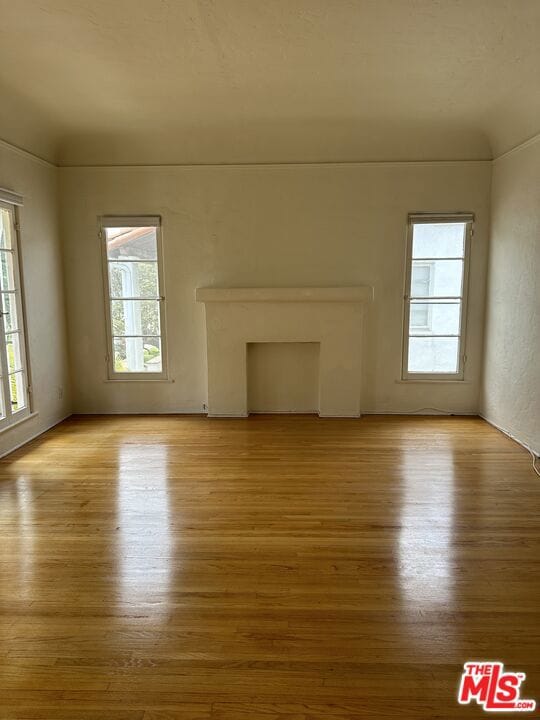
[134, 302]
[14, 390]
[435, 296]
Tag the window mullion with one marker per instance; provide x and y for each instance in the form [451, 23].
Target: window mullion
[152, 299]
[430, 259]
[137, 336]
[437, 298]
[439, 335]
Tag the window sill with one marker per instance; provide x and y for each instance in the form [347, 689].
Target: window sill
[18, 422]
[430, 381]
[139, 380]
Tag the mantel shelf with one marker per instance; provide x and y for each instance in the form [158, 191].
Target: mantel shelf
[301, 294]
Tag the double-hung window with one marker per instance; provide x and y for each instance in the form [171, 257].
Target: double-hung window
[438, 248]
[134, 297]
[14, 385]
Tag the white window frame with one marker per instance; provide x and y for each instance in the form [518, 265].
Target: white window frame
[11, 202]
[111, 221]
[430, 218]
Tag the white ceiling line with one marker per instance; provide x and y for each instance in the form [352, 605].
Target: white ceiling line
[149, 166]
[374, 163]
[520, 146]
[126, 166]
[27, 154]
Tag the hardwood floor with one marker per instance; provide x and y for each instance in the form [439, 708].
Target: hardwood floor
[273, 568]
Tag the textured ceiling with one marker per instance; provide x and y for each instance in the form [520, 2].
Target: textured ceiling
[188, 81]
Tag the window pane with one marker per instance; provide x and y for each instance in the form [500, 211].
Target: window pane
[5, 229]
[9, 308]
[17, 391]
[7, 280]
[133, 279]
[139, 243]
[434, 318]
[419, 317]
[2, 403]
[13, 347]
[436, 240]
[140, 354]
[135, 317]
[445, 278]
[433, 355]
[421, 280]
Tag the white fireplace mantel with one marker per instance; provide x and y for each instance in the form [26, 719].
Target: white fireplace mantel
[330, 316]
[304, 294]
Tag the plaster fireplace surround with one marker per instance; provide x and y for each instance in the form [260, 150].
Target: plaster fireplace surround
[331, 316]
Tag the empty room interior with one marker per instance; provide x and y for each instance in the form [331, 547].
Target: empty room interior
[269, 359]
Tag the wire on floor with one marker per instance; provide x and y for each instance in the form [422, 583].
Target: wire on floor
[534, 461]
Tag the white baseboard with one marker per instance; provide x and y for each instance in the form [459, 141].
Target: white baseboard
[34, 436]
[224, 416]
[421, 411]
[283, 412]
[138, 412]
[331, 415]
[536, 453]
[432, 412]
[313, 413]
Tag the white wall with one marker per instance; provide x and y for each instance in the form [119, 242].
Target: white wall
[43, 284]
[511, 389]
[288, 225]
